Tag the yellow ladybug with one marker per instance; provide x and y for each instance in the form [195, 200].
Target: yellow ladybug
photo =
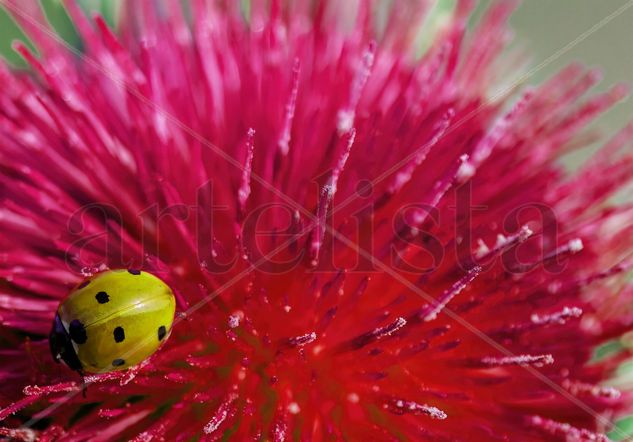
[112, 321]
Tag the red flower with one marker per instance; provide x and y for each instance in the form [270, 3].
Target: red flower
[364, 244]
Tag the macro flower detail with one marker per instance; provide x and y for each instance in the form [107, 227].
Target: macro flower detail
[364, 242]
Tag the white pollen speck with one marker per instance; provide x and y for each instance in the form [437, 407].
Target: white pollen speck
[234, 321]
[526, 232]
[466, 171]
[329, 189]
[353, 398]
[293, 408]
[482, 249]
[501, 241]
[576, 245]
[344, 121]
[287, 308]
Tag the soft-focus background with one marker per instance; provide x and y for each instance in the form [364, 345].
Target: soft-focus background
[553, 33]
[598, 33]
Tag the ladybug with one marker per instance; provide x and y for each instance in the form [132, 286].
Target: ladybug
[112, 321]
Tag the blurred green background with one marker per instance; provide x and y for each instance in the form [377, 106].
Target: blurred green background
[547, 26]
[595, 32]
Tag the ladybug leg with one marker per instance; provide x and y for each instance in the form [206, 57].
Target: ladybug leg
[84, 385]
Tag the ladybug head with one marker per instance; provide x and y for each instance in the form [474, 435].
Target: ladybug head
[62, 347]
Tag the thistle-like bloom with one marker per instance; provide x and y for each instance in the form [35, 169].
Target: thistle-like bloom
[366, 243]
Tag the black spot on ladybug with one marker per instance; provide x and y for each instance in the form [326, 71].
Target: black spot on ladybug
[118, 362]
[134, 271]
[162, 331]
[77, 332]
[102, 297]
[83, 284]
[119, 334]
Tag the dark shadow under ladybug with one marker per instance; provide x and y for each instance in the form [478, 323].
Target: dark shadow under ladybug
[62, 350]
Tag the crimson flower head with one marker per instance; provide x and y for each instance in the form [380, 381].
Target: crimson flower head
[366, 240]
